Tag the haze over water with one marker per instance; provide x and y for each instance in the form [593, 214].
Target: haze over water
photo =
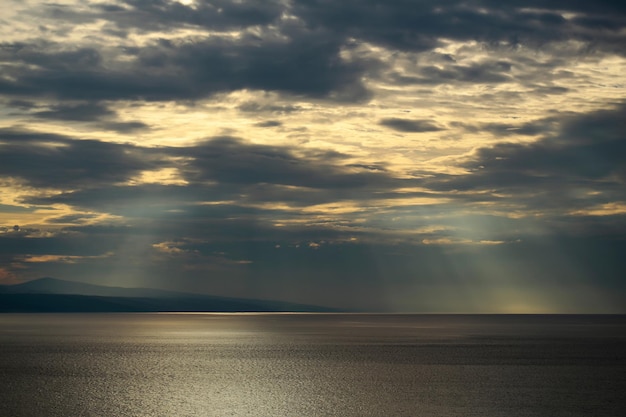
[311, 365]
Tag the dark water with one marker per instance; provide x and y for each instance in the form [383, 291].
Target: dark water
[311, 365]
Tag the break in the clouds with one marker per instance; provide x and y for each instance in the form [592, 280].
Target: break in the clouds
[390, 155]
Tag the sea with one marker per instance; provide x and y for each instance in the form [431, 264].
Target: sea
[274, 364]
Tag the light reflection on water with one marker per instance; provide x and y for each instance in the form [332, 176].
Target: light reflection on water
[311, 365]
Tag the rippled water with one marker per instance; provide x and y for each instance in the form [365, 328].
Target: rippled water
[311, 365]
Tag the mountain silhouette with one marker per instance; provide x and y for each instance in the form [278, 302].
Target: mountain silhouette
[57, 295]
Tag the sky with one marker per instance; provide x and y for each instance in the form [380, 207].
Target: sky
[396, 155]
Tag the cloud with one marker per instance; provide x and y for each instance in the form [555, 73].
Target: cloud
[391, 23]
[57, 161]
[578, 168]
[369, 167]
[84, 112]
[487, 72]
[301, 63]
[123, 127]
[217, 170]
[421, 26]
[587, 147]
[9, 208]
[102, 115]
[180, 140]
[500, 130]
[73, 218]
[229, 160]
[256, 107]
[165, 15]
[297, 49]
[269, 123]
[410, 126]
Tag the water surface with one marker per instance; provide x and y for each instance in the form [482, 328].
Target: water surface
[311, 365]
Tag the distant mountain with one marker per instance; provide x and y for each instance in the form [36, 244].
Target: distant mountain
[56, 295]
[49, 285]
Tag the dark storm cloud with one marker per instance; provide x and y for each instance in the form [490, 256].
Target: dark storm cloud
[232, 161]
[298, 57]
[56, 161]
[218, 169]
[306, 64]
[604, 7]
[145, 200]
[72, 218]
[164, 201]
[489, 72]
[369, 167]
[418, 26]
[409, 125]
[163, 16]
[269, 123]
[83, 112]
[102, 116]
[536, 127]
[580, 167]
[123, 127]
[160, 15]
[400, 24]
[256, 107]
[584, 154]
[22, 104]
[588, 147]
[7, 208]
